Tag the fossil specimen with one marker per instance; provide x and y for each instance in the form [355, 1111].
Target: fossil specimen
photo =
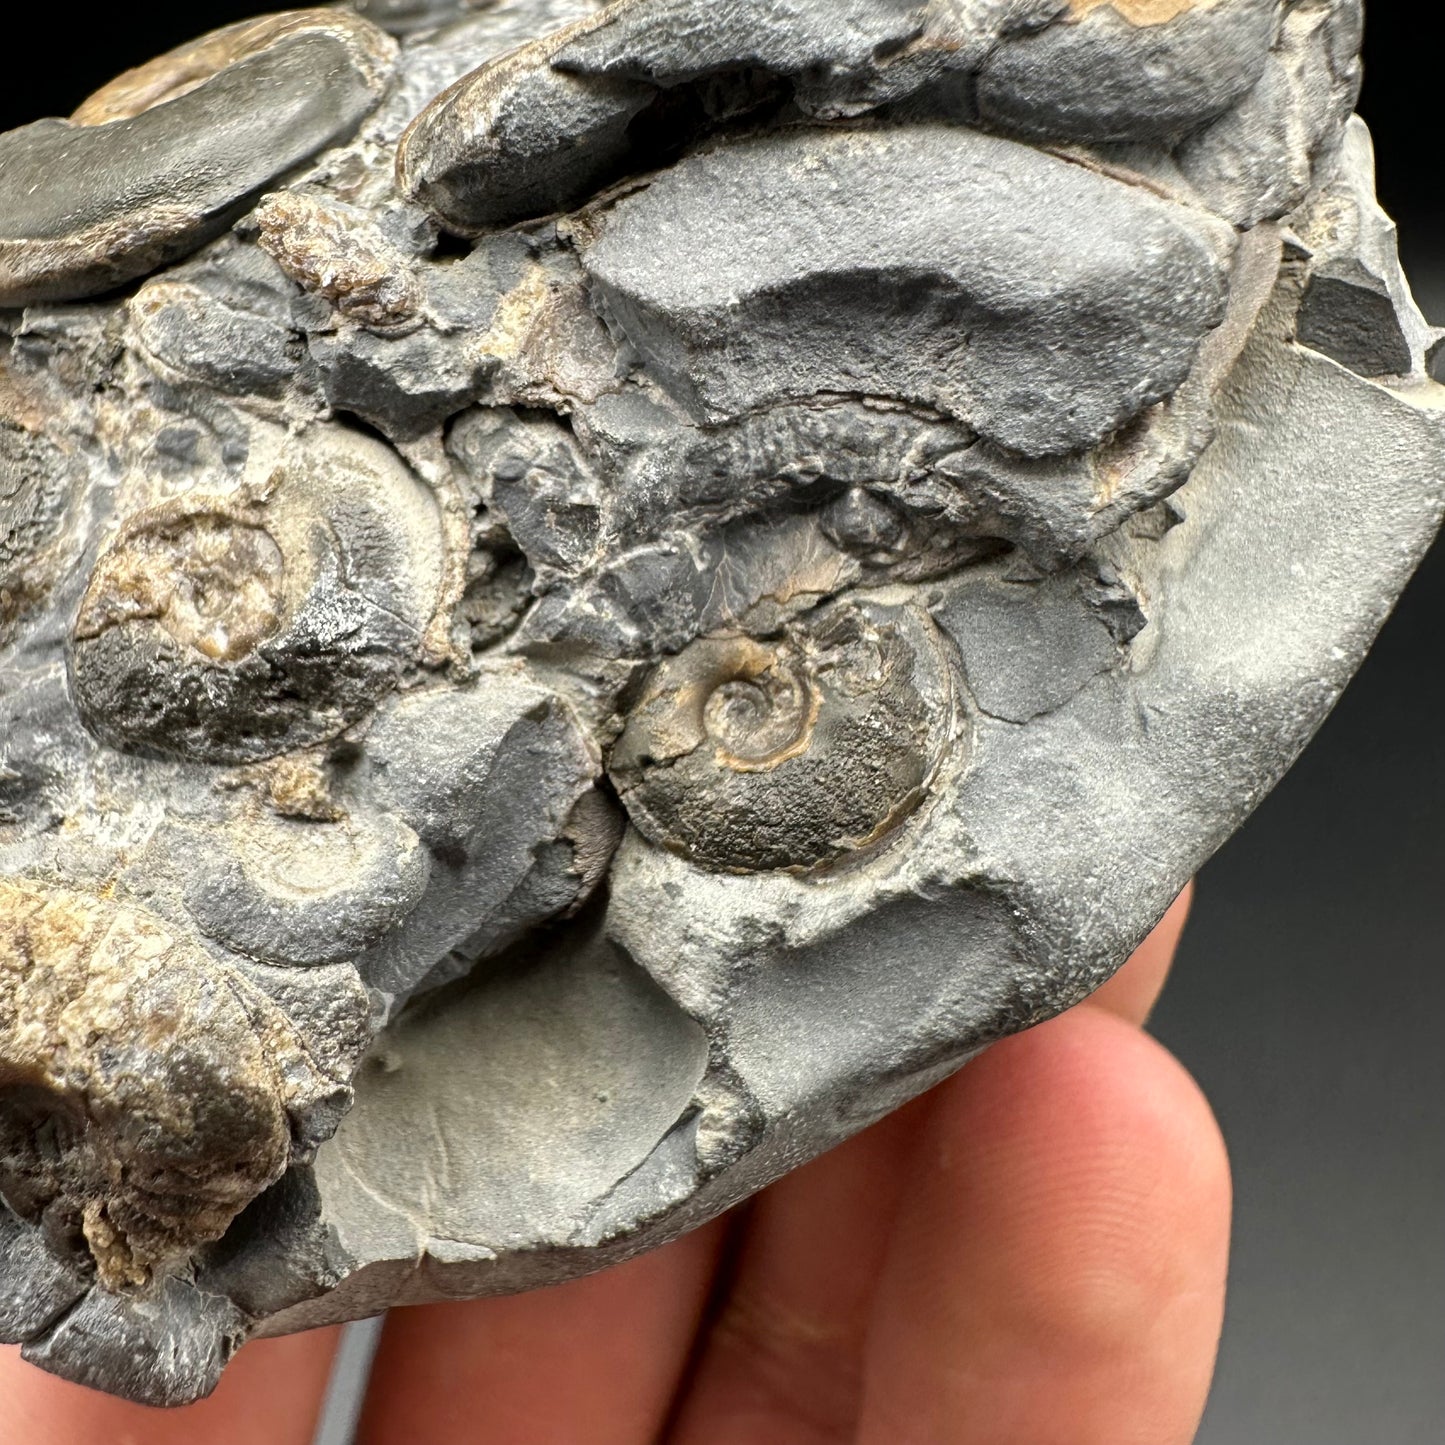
[594, 595]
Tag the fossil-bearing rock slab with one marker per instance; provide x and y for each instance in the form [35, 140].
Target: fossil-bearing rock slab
[592, 596]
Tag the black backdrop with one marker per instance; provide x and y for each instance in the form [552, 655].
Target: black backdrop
[1311, 993]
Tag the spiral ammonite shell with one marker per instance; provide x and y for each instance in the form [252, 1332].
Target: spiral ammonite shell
[792, 753]
[224, 633]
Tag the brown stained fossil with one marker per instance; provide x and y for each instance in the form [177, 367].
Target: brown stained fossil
[1141, 12]
[211, 581]
[33, 501]
[147, 1095]
[804, 750]
[338, 255]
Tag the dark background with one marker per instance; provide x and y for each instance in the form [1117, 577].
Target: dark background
[1310, 994]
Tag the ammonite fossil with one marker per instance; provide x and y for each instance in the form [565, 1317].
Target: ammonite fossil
[755, 756]
[232, 630]
[636, 581]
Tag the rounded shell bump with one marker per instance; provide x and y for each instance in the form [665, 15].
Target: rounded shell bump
[167, 156]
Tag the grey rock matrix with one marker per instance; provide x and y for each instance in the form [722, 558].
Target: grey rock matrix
[594, 596]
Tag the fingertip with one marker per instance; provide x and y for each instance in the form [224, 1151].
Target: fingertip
[1107, 1168]
[1058, 1270]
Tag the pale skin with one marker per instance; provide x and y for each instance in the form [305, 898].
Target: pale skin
[1032, 1254]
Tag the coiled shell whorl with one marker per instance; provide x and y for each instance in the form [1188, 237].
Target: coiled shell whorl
[792, 753]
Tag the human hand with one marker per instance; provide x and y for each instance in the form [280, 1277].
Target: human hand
[1032, 1254]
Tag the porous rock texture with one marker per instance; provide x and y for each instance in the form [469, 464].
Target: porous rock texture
[592, 596]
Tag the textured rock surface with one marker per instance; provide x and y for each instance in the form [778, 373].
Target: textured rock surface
[592, 596]
[959, 271]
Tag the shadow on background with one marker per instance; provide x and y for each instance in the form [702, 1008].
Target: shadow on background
[1310, 993]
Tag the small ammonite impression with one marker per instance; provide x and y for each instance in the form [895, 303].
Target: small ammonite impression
[792, 753]
[225, 633]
